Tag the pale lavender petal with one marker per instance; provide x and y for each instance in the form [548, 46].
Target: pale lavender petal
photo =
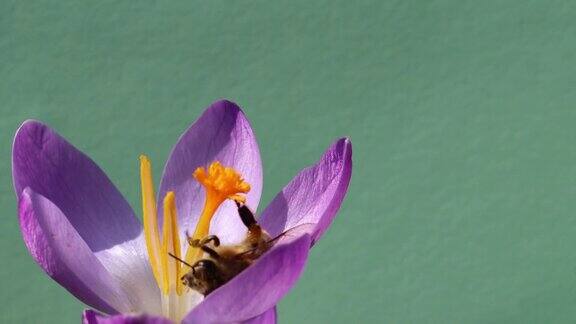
[60, 251]
[258, 288]
[92, 317]
[314, 195]
[52, 167]
[269, 317]
[222, 134]
[45, 162]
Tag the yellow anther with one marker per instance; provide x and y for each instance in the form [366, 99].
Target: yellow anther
[150, 219]
[167, 271]
[220, 184]
[170, 244]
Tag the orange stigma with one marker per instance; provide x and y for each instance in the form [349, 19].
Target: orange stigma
[220, 183]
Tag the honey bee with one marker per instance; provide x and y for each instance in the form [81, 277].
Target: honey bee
[223, 262]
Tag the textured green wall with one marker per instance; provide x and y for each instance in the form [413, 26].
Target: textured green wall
[462, 115]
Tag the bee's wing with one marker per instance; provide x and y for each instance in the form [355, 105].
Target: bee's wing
[290, 233]
[294, 231]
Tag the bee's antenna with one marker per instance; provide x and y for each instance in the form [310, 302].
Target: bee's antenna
[177, 258]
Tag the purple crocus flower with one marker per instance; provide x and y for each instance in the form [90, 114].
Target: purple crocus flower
[82, 232]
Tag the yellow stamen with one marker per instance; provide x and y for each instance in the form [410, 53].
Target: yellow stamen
[167, 271]
[149, 212]
[220, 184]
[170, 244]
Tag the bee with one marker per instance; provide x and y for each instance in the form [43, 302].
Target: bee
[221, 263]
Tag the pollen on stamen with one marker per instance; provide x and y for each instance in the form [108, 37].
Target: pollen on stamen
[223, 182]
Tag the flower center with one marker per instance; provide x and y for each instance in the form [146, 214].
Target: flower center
[220, 183]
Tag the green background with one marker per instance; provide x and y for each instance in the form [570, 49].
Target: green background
[461, 113]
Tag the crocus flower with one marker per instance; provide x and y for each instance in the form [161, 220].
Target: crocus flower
[82, 232]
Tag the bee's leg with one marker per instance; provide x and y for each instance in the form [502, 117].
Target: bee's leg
[246, 215]
[191, 241]
[202, 242]
[255, 232]
[210, 252]
[210, 238]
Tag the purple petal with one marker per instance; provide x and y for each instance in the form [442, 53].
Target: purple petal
[222, 134]
[269, 317]
[258, 288]
[60, 251]
[92, 317]
[314, 195]
[52, 167]
[46, 163]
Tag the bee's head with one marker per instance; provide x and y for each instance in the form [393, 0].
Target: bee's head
[186, 280]
[204, 277]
